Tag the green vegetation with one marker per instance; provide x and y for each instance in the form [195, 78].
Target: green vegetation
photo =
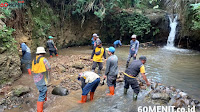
[125, 24]
[43, 18]
[196, 18]
[6, 39]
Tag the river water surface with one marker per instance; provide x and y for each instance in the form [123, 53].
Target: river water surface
[179, 68]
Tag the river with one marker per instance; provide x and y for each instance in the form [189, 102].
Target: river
[178, 67]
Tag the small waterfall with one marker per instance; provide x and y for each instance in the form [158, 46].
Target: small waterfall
[172, 34]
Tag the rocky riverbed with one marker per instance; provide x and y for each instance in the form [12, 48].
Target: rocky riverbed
[22, 95]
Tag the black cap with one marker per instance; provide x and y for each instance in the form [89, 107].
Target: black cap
[142, 58]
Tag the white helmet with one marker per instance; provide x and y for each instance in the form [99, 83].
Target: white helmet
[40, 50]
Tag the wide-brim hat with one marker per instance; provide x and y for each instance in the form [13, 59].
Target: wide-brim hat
[40, 50]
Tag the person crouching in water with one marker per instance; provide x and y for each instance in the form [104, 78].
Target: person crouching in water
[136, 67]
[26, 57]
[51, 46]
[97, 55]
[89, 84]
[111, 70]
[41, 68]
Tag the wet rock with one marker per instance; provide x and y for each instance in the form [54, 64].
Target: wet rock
[78, 65]
[20, 90]
[183, 94]
[178, 96]
[196, 101]
[162, 96]
[173, 88]
[60, 91]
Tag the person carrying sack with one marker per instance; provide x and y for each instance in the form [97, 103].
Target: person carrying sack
[41, 69]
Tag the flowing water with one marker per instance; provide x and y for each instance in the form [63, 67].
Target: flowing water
[172, 34]
[179, 68]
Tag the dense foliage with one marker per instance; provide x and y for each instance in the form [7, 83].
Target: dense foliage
[196, 18]
[6, 39]
[124, 24]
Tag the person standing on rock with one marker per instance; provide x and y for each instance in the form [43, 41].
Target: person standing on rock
[91, 81]
[117, 43]
[97, 55]
[136, 67]
[95, 39]
[51, 46]
[111, 70]
[26, 57]
[134, 46]
[41, 69]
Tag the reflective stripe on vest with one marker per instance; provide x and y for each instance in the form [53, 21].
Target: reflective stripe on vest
[128, 75]
[38, 65]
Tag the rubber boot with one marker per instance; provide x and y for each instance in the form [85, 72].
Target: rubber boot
[112, 91]
[91, 96]
[56, 54]
[51, 56]
[125, 91]
[45, 97]
[40, 106]
[135, 96]
[83, 99]
[29, 71]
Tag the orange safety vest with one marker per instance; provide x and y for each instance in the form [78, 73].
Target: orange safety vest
[38, 65]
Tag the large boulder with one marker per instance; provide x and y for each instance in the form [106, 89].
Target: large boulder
[9, 68]
[20, 90]
[61, 91]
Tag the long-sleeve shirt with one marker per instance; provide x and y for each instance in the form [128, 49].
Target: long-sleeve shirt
[92, 41]
[98, 58]
[112, 65]
[26, 52]
[89, 76]
[118, 42]
[134, 46]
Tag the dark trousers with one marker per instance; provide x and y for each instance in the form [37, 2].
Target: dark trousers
[91, 86]
[100, 64]
[133, 82]
[111, 80]
[52, 51]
